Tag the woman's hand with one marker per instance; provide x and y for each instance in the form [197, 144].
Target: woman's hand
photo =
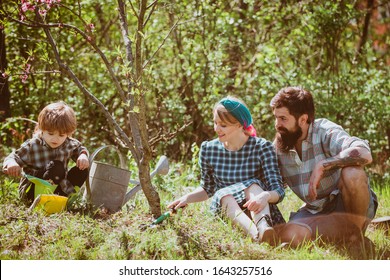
[179, 203]
[197, 195]
[258, 203]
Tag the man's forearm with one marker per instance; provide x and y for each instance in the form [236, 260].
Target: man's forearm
[349, 157]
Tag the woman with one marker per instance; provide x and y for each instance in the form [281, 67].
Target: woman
[240, 172]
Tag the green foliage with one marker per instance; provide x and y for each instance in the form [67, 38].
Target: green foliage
[196, 52]
[199, 51]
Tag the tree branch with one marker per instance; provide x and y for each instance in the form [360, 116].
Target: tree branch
[88, 39]
[167, 137]
[153, 6]
[87, 93]
[162, 43]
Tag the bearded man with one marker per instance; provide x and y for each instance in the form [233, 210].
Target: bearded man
[324, 166]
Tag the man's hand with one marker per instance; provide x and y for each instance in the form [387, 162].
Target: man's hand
[315, 179]
[353, 156]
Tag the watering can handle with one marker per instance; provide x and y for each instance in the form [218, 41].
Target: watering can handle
[92, 157]
[121, 158]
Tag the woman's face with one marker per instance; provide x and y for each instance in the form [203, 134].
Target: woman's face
[226, 131]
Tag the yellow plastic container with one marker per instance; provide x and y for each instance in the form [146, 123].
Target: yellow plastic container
[50, 203]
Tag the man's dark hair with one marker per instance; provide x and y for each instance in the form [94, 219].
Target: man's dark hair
[297, 100]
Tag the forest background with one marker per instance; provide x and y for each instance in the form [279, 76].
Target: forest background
[144, 75]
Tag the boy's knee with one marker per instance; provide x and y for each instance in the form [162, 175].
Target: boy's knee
[77, 176]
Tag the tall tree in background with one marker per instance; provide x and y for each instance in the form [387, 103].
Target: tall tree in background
[5, 110]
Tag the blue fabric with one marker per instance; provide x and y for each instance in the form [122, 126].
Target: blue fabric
[230, 173]
[238, 110]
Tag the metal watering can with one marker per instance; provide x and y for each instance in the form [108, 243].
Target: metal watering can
[107, 185]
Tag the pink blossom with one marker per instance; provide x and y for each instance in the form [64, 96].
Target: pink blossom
[27, 6]
[24, 78]
[28, 67]
[91, 26]
[43, 12]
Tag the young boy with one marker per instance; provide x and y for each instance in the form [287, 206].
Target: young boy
[51, 142]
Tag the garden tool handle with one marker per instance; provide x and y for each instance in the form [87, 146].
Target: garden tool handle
[162, 217]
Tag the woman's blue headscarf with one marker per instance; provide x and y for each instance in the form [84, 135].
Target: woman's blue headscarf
[240, 112]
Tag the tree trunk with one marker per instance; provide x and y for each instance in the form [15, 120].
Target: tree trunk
[367, 18]
[5, 95]
[136, 105]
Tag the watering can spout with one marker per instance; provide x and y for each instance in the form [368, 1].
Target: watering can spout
[131, 193]
[162, 168]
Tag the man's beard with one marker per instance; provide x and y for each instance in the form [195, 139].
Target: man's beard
[287, 139]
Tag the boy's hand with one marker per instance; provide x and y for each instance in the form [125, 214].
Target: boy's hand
[12, 168]
[82, 162]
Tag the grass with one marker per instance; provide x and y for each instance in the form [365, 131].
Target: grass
[193, 234]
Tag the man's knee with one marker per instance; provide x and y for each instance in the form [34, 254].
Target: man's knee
[353, 179]
[295, 234]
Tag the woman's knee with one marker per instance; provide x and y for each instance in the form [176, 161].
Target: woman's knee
[253, 189]
[227, 200]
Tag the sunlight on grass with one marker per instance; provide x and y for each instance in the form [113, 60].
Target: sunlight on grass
[191, 234]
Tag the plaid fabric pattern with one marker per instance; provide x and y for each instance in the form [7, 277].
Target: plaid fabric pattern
[225, 172]
[325, 139]
[34, 154]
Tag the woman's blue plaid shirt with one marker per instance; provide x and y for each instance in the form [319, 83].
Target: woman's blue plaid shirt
[255, 162]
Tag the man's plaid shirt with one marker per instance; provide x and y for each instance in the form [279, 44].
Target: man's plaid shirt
[325, 139]
[34, 154]
[226, 172]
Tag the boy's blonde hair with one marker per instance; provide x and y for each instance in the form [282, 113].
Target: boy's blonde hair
[57, 117]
